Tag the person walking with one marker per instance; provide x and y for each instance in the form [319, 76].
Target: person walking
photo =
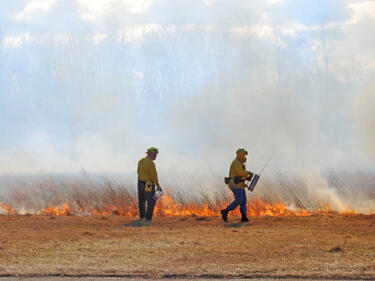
[147, 180]
[236, 182]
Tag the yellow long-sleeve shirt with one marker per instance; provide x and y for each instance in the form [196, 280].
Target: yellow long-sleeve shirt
[147, 171]
[237, 168]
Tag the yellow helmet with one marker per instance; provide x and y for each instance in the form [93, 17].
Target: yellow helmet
[241, 151]
[152, 150]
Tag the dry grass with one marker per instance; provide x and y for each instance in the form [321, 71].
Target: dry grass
[99, 194]
[316, 246]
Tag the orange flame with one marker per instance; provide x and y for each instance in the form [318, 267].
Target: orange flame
[8, 209]
[167, 206]
[64, 210]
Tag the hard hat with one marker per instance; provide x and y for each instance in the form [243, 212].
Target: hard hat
[152, 150]
[242, 150]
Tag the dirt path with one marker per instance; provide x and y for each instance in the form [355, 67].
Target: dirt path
[174, 279]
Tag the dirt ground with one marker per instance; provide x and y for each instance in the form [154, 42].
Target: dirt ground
[334, 246]
[91, 278]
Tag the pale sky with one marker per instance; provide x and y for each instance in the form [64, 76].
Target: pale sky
[92, 84]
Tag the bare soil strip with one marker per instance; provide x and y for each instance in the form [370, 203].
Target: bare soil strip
[334, 247]
[174, 277]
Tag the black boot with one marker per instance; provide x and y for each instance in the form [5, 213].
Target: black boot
[224, 214]
[244, 218]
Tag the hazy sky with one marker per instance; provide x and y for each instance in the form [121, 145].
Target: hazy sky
[91, 84]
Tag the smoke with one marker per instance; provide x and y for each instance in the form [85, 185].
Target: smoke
[92, 85]
[364, 121]
[318, 188]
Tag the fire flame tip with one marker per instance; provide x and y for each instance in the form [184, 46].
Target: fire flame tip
[168, 207]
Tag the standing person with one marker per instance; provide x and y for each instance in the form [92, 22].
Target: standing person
[147, 179]
[236, 182]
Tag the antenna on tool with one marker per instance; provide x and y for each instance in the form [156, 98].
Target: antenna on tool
[255, 179]
[265, 165]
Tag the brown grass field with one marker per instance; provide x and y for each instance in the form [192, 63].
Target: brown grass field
[329, 246]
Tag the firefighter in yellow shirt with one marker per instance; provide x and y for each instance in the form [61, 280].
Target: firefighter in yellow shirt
[236, 182]
[147, 180]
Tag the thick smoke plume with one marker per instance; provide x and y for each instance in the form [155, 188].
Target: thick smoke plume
[282, 79]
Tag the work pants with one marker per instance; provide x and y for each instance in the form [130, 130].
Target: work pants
[239, 199]
[144, 197]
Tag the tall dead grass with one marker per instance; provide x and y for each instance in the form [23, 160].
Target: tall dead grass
[91, 194]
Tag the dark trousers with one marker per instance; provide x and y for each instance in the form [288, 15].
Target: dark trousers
[239, 199]
[144, 197]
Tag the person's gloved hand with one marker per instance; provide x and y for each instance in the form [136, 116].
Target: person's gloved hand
[250, 176]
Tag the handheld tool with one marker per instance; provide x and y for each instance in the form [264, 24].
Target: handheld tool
[256, 177]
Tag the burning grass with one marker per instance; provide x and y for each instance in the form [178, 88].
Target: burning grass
[167, 206]
[87, 195]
